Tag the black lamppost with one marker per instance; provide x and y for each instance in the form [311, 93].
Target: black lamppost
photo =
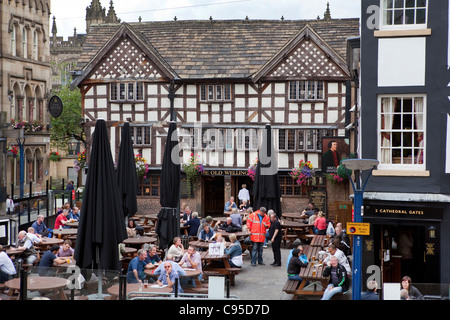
[21, 142]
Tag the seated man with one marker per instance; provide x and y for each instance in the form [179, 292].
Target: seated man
[230, 205]
[66, 250]
[193, 224]
[48, 260]
[135, 273]
[61, 219]
[74, 214]
[169, 277]
[207, 233]
[40, 227]
[7, 268]
[29, 255]
[338, 279]
[191, 259]
[175, 266]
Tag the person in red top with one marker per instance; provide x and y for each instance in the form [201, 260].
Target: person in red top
[61, 219]
[257, 224]
[320, 224]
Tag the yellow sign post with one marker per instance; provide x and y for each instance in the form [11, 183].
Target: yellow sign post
[362, 229]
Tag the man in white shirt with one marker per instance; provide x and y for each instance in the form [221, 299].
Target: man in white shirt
[339, 254]
[7, 269]
[9, 205]
[244, 194]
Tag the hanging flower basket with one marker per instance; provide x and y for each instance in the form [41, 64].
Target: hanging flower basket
[251, 171]
[192, 169]
[13, 152]
[55, 156]
[141, 166]
[303, 173]
[80, 163]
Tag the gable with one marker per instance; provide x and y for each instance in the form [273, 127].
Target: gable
[307, 60]
[126, 61]
[305, 56]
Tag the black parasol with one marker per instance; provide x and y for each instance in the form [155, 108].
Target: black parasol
[126, 173]
[168, 225]
[102, 225]
[267, 186]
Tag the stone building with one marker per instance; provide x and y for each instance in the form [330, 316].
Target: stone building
[24, 89]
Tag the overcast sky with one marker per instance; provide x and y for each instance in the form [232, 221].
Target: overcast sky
[72, 14]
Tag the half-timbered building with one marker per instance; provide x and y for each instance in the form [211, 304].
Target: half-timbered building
[229, 79]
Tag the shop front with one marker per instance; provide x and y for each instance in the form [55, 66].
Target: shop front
[404, 240]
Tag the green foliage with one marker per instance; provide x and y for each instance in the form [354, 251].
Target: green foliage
[68, 123]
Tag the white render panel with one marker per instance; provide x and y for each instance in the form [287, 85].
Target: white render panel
[115, 117]
[332, 116]
[191, 116]
[139, 107]
[319, 106]
[306, 117]
[215, 107]
[204, 107]
[293, 118]
[228, 159]
[227, 118]
[191, 103]
[264, 119]
[127, 107]
[227, 107]
[102, 115]
[240, 116]
[191, 89]
[333, 101]
[147, 154]
[88, 104]
[253, 102]
[333, 88]
[266, 103]
[153, 115]
[280, 88]
[401, 62]
[165, 103]
[306, 106]
[152, 103]
[101, 90]
[115, 107]
[139, 117]
[279, 116]
[239, 89]
[204, 118]
[177, 103]
[298, 157]
[215, 118]
[239, 103]
[318, 118]
[293, 106]
[112, 139]
[240, 156]
[314, 159]
[279, 102]
[152, 89]
[251, 90]
[283, 160]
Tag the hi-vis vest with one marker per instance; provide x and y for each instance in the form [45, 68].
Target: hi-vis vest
[257, 228]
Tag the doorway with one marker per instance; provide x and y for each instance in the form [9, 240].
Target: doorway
[239, 181]
[213, 200]
[410, 250]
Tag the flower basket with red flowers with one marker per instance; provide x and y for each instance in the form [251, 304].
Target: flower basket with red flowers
[55, 156]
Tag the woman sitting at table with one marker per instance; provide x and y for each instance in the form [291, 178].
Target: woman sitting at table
[320, 224]
[234, 250]
[176, 249]
[294, 266]
[133, 230]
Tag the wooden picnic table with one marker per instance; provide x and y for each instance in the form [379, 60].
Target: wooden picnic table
[64, 233]
[293, 230]
[201, 244]
[46, 243]
[312, 273]
[218, 264]
[293, 216]
[319, 241]
[136, 287]
[72, 224]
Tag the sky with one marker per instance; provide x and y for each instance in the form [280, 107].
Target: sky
[72, 14]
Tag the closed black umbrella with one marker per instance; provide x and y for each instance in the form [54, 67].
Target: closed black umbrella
[168, 225]
[266, 188]
[126, 173]
[102, 225]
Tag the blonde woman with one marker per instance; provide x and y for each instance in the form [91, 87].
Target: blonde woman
[320, 224]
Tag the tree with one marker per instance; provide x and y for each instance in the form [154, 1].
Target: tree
[67, 125]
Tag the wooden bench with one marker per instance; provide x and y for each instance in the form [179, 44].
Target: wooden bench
[291, 286]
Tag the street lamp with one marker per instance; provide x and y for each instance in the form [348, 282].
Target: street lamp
[358, 165]
[73, 145]
[21, 143]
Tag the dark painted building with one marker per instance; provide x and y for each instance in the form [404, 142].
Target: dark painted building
[404, 124]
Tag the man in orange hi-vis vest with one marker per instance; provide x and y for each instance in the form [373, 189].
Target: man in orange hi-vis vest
[257, 224]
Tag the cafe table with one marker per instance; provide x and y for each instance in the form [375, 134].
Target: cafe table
[137, 287]
[211, 266]
[293, 216]
[13, 251]
[293, 230]
[35, 283]
[73, 224]
[312, 273]
[46, 243]
[201, 244]
[65, 233]
[190, 273]
[138, 242]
